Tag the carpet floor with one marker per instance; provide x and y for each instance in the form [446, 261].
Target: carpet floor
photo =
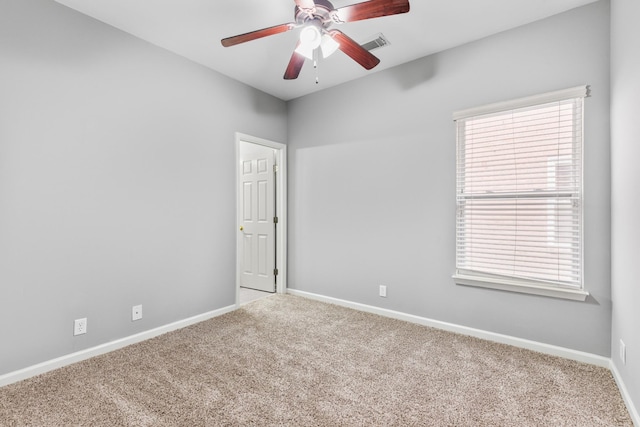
[290, 361]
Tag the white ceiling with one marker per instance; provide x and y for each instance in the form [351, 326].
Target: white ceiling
[194, 28]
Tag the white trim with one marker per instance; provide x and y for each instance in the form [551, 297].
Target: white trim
[521, 287]
[281, 208]
[633, 411]
[552, 350]
[543, 98]
[88, 353]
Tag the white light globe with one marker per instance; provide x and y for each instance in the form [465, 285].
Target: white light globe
[310, 37]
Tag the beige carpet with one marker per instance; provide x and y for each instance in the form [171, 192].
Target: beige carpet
[286, 360]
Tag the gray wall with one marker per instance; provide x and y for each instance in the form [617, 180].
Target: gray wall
[625, 192]
[372, 181]
[116, 181]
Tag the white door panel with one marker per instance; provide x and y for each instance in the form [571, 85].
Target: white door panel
[258, 212]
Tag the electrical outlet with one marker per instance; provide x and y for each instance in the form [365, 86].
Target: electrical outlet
[383, 291]
[623, 352]
[136, 312]
[80, 326]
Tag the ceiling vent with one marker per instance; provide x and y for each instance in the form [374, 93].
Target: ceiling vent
[379, 40]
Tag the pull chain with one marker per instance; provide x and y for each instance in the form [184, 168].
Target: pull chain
[315, 63]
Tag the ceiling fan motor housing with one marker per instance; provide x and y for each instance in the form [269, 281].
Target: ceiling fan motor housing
[321, 13]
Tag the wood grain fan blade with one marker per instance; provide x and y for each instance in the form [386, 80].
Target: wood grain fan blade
[372, 9]
[359, 54]
[241, 38]
[295, 65]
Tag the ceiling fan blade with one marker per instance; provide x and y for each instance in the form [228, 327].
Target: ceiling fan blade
[371, 9]
[295, 65]
[306, 4]
[359, 54]
[241, 38]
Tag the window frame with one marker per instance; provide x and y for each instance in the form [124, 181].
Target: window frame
[517, 284]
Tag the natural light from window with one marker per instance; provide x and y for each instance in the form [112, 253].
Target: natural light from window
[519, 195]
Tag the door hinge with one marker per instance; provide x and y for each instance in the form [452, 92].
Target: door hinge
[275, 168]
[275, 271]
[275, 219]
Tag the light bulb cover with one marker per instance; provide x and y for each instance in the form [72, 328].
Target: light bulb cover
[328, 45]
[305, 50]
[310, 36]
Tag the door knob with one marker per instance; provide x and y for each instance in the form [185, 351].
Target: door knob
[241, 228]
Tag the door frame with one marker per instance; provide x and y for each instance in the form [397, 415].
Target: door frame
[280, 205]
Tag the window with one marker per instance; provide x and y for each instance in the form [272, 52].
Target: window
[519, 195]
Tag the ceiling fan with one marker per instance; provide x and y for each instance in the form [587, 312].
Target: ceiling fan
[316, 18]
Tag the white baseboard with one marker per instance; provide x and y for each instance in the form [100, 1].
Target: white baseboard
[553, 350]
[68, 359]
[633, 411]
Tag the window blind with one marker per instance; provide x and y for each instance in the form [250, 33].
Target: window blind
[519, 191]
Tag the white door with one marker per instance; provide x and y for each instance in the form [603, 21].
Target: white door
[257, 217]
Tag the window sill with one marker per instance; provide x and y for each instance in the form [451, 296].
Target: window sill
[525, 288]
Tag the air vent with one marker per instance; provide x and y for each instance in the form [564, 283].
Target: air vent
[379, 40]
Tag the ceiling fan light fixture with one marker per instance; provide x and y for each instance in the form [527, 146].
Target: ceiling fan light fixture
[305, 51]
[328, 45]
[310, 37]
